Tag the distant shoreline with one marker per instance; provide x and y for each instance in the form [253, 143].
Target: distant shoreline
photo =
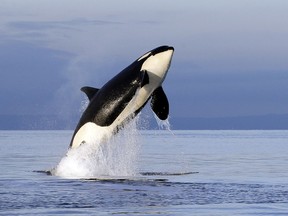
[54, 122]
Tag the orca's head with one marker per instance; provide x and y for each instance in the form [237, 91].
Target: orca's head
[157, 62]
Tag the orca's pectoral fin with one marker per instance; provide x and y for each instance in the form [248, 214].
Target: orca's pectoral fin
[144, 78]
[160, 104]
[89, 91]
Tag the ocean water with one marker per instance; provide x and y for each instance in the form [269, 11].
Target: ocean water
[163, 173]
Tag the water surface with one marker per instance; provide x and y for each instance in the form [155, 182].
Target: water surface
[186, 173]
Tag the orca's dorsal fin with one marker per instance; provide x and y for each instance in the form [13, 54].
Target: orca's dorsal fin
[144, 78]
[160, 104]
[89, 91]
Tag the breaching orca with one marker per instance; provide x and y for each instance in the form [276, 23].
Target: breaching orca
[124, 96]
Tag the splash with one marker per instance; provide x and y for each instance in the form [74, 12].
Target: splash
[106, 155]
[163, 124]
[113, 157]
[84, 105]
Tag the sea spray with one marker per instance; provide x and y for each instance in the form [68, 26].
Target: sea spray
[163, 124]
[113, 157]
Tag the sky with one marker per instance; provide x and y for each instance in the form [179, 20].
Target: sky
[230, 59]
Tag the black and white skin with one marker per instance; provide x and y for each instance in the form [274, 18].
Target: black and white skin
[123, 97]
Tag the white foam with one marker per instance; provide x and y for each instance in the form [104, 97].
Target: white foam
[116, 156]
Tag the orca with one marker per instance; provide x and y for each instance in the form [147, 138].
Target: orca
[123, 97]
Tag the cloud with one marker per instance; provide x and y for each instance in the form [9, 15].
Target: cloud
[195, 93]
[44, 25]
[29, 76]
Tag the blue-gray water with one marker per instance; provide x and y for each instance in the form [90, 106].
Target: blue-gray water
[231, 173]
